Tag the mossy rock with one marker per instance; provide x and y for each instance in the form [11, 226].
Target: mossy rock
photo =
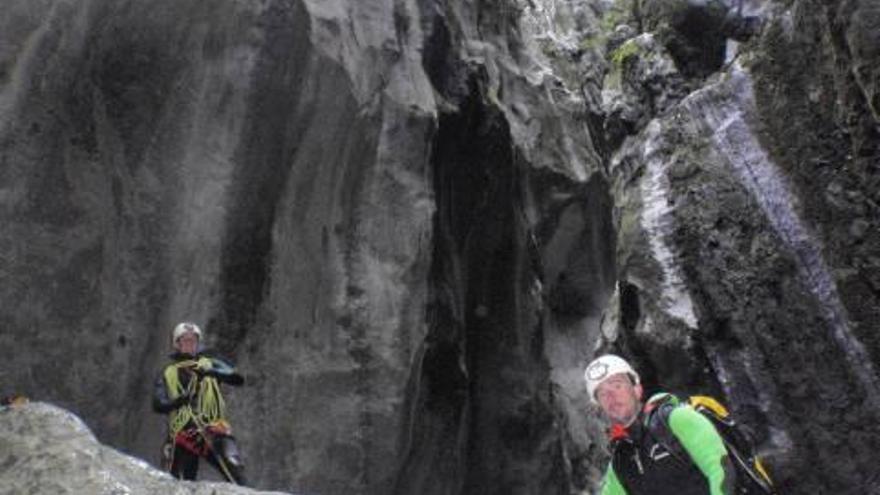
[625, 52]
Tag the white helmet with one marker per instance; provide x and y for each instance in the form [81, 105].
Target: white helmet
[604, 367]
[183, 328]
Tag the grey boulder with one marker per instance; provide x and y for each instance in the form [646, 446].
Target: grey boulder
[46, 449]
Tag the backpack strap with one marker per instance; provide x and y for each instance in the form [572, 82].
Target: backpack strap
[656, 421]
[739, 446]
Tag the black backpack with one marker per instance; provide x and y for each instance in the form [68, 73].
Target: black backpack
[751, 475]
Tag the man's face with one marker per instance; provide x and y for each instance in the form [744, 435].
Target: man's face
[619, 398]
[188, 343]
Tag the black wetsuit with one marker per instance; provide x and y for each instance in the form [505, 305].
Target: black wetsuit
[189, 445]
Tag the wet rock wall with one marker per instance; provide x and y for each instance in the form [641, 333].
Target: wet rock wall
[742, 267]
[342, 194]
[412, 223]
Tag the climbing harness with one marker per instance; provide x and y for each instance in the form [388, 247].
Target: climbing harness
[208, 433]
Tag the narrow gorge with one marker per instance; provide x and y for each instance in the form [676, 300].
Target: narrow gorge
[412, 223]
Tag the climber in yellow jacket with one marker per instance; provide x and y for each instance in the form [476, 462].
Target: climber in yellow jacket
[188, 391]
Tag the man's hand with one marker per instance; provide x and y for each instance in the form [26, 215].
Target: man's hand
[204, 365]
[184, 400]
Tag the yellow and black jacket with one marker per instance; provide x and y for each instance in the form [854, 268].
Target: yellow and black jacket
[188, 390]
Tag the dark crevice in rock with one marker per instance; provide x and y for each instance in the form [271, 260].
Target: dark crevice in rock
[134, 67]
[665, 362]
[127, 124]
[695, 33]
[668, 366]
[577, 236]
[638, 353]
[700, 50]
[603, 141]
[262, 166]
[439, 60]
[484, 338]
[678, 45]
[436, 57]
[630, 306]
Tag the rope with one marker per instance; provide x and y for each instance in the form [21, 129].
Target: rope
[210, 406]
[200, 427]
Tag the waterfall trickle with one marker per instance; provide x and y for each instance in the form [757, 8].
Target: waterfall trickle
[762, 178]
[656, 216]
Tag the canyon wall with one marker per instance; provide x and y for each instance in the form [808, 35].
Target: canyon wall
[411, 223]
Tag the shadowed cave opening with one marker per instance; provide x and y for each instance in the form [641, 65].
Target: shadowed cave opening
[479, 395]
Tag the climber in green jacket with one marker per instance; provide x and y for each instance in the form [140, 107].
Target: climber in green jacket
[188, 390]
[640, 463]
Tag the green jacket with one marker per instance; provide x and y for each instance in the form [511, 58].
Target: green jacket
[642, 465]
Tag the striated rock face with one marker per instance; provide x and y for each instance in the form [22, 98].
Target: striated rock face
[412, 222]
[355, 199]
[45, 449]
[745, 217]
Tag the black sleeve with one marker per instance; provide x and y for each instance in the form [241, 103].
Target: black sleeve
[161, 402]
[225, 372]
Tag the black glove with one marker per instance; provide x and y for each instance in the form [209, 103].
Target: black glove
[183, 400]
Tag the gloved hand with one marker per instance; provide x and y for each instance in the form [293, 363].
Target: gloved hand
[183, 400]
[204, 365]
